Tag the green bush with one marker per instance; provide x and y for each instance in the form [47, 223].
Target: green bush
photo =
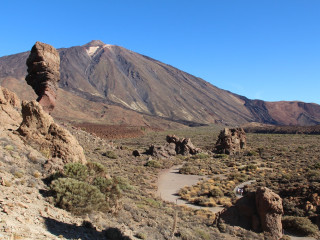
[77, 196]
[299, 225]
[153, 163]
[189, 169]
[123, 183]
[200, 156]
[251, 167]
[102, 184]
[316, 165]
[238, 177]
[221, 156]
[313, 175]
[216, 192]
[252, 153]
[82, 189]
[110, 154]
[76, 171]
[97, 168]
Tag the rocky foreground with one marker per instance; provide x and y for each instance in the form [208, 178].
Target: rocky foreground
[24, 212]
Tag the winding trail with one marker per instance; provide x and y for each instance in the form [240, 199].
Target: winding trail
[171, 181]
[241, 185]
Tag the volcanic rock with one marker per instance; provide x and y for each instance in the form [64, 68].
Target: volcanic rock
[39, 130]
[173, 147]
[136, 153]
[9, 109]
[44, 74]
[258, 211]
[231, 141]
[165, 151]
[184, 146]
[270, 210]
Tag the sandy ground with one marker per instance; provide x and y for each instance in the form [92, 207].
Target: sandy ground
[171, 181]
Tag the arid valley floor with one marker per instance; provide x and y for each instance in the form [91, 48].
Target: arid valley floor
[286, 163]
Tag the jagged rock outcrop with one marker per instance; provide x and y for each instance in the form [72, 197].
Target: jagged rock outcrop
[270, 210]
[259, 211]
[231, 141]
[9, 109]
[173, 147]
[165, 151]
[39, 130]
[184, 146]
[44, 74]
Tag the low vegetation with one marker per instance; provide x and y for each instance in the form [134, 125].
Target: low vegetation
[300, 226]
[84, 188]
[288, 164]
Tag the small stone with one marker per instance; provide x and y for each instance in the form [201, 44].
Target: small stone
[136, 153]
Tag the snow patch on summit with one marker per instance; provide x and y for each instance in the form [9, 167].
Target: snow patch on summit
[92, 50]
[107, 46]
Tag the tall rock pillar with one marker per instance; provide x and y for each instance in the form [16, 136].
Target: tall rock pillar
[44, 74]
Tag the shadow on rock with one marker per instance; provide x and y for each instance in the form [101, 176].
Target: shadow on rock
[85, 231]
[258, 211]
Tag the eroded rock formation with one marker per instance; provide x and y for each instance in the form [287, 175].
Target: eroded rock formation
[258, 211]
[165, 151]
[173, 147]
[39, 130]
[44, 74]
[231, 141]
[270, 210]
[9, 108]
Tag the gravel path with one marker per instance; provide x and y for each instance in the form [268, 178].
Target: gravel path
[241, 185]
[171, 181]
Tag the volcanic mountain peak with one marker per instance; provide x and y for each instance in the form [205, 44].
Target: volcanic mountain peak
[94, 46]
[113, 75]
[95, 43]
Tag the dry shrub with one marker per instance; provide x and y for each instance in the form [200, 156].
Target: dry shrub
[77, 196]
[299, 225]
[79, 192]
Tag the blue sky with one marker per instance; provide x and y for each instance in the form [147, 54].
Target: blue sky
[262, 49]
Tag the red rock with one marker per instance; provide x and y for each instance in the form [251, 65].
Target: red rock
[39, 130]
[270, 210]
[44, 74]
[258, 211]
[231, 141]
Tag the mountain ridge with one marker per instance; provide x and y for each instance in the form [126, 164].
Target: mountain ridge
[113, 75]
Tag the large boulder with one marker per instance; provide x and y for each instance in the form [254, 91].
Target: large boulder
[165, 151]
[259, 211]
[173, 147]
[39, 130]
[270, 210]
[44, 74]
[183, 146]
[231, 141]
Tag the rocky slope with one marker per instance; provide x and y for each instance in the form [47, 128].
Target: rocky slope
[117, 77]
[26, 208]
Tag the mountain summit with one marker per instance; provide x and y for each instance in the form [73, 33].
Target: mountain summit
[112, 75]
[95, 43]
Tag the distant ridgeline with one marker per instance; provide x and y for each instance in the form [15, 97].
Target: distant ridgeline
[103, 83]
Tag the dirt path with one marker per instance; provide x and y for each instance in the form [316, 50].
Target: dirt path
[241, 185]
[171, 181]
